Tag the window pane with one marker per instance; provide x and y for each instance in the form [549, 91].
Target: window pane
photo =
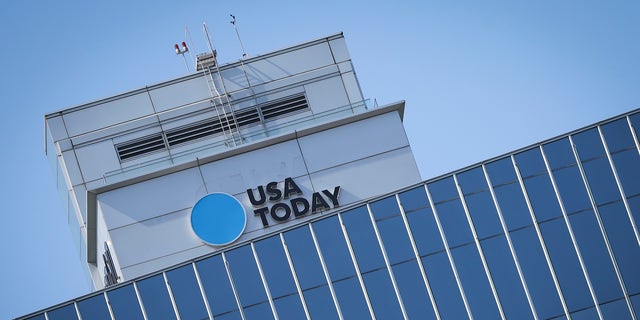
[334, 248]
[124, 303]
[381, 294]
[443, 190]
[414, 199]
[320, 303]
[484, 215]
[624, 244]
[275, 267]
[501, 171]
[514, 208]
[542, 198]
[38, 317]
[258, 311]
[615, 310]
[454, 223]
[505, 277]
[530, 162]
[246, 277]
[155, 298]
[559, 153]
[387, 207]
[635, 302]
[444, 286]
[627, 164]
[413, 291]
[634, 206]
[566, 265]
[601, 181]
[425, 231]
[186, 293]
[289, 307]
[475, 283]
[587, 314]
[351, 299]
[571, 189]
[217, 287]
[363, 239]
[536, 273]
[588, 144]
[67, 312]
[395, 239]
[305, 257]
[472, 181]
[94, 308]
[595, 256]
[617, 135]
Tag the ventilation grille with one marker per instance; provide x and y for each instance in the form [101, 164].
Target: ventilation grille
[208, 128]
[285, 106]
[140, 147]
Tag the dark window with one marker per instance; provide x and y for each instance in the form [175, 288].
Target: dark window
[413, 291]
[387, 207]
[94, 308]
[627, 164]
[425, 231]
[246, 278]
[472, 181]
[601, 181]
[155, 298]
[383, 299]
[615, 310]
[559, 153]
[216, 285]
[443, 190]
[334, 248]
[351, 300]
[588, 144]
[617, 135]
[414, 199]
[444, 286]
[483, 214]
[186, 293]
[514, 208]
[67, 312]
[395, 239]
[501, 171]
[475, 283]
[454, 223]
[571, 189]
[542, 198]
[530, 162]
[124, 303]
[363, 239]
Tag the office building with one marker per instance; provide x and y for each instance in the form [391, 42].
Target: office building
[270, 188]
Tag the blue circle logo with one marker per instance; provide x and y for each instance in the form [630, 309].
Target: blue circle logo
[218, 219]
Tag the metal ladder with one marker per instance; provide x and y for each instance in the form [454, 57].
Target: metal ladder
[224, 111]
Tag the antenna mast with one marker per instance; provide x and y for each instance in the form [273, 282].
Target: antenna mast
[235, 27]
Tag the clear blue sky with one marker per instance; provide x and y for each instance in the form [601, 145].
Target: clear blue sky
[480, 78]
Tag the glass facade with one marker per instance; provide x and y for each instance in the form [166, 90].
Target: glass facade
[547, 232]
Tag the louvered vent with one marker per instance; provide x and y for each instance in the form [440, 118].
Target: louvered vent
[140, 146]
[284, 106]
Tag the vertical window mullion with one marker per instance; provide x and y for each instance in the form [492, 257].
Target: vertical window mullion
[264, 282]
[417, 255]
[295, 276]
[571, 234]
[539, 233]
[326, 272]
[448, 251]
[135, 289]
[233, 285]
[479, 248]
[173, 301]
[106, 299]
[204, 295]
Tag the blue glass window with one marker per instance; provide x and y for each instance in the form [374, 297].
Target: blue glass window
[566, 265]
[305, 257]
[505, 277]
[443, 189]
[595, 256]
[258, 311]
[635, 123]
[37, 317]
[217, 288]
[484, 215]
[444, 286]
[395, 239]
[414, 199]
[615, 310]
[475, 283]
[514, 208]
[320, 303]
[155, 298]
[363, 239]
[571, 189]
[186, 293]
[334, 248]
[635, 302]
[542, 198]
[413, 291]
[536, 273]
[627, 164]
[586, 314]
[94, 308]
[501, 171]
[634, 206]
[124, 303]
[67, 312]
[601, 181]
[530, 162]
[588, 144]
[277, 273]
[248, 283]
[425, 231]
[617, 135]
[624, 244]
[383, 299]
[387, 207]
[454, 223]
[351, 299]
[472, 181]
[559, 153]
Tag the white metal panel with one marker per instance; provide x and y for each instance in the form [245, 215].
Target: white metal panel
[339, 49]
[108, 114]
[326, 94]
[236, 174]
[97, 159]
[354, 141]
[144, 268]
[56, 128]
[72, 169]
[352, 87]
[178, 94]
[151, 198]
[369, 177]
[108, 132]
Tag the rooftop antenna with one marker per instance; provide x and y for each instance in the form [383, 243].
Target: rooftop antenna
[235, 27]
[187, 36]
[181, 51]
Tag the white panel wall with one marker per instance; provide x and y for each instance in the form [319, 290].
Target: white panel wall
[180, 93]
[96, 159]
[326, 94]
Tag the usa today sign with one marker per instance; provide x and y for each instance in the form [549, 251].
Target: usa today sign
[220, 219]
